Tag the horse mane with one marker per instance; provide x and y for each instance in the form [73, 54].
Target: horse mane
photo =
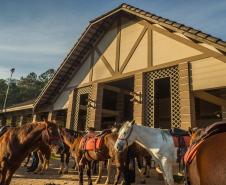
[26, 129]
[70, 134]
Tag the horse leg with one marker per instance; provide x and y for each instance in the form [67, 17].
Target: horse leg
[89, 173]
[99, 172]
[40, 165]
[141, 169]
[9, 177]
[3, 175]
[109, 166]
[27, 161]
[167, 171]
[61, 164]
[80, 171]
[67, 162]
[118, 175]
[148, 167]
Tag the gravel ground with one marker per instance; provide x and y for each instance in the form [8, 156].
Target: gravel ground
[51, 177]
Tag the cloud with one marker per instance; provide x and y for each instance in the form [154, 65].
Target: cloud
[37, 35]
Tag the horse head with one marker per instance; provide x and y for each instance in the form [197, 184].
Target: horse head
[51, 136]
[125, 136]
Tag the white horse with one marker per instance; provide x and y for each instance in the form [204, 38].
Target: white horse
[158, 142]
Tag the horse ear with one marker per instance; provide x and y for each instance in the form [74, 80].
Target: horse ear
[190, 130]
[133, 122]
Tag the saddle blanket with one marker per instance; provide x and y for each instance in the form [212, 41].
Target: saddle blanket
[91, 143]
[191, 153]
[181, 141]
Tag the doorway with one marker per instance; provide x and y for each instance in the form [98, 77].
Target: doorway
[162, 103]
[116, 104]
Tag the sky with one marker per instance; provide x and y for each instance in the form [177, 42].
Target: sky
[36, 35]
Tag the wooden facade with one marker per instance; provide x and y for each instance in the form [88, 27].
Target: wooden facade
[131, 64]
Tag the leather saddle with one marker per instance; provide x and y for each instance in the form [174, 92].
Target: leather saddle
[216, 128]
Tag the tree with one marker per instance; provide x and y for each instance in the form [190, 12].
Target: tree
[24, 89]
[3, 87]
[46, 76]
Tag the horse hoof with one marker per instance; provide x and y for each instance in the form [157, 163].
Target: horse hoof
[143, 182]
[65, 172]
[97, 182]
[60, 172]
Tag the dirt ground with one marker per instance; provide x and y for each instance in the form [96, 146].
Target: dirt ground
[51, 177]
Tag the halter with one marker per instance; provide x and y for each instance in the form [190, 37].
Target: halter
[126, 138]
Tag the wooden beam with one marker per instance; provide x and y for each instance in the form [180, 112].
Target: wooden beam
[106, 63]
[116, 89]
[133, 49]
[150, 47]
[91, 67]
[210, 98]
[110, 112]
[118, 45]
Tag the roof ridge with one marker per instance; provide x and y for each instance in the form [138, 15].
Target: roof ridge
[176, 24]
[161, 20]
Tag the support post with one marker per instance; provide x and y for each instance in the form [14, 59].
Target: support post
[185, 96]
[3, 120]
[70, 110]
[52, 116]
[36, 117]
[21, 120]
[138, 115]
[13, 120]
[95, 112]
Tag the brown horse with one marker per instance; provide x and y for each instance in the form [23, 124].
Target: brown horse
[208, 167]
[44, 154]
[71, 140]
[17, 143]
[107, 151]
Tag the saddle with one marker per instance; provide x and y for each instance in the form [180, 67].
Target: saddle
[216, 128]
[93, 141]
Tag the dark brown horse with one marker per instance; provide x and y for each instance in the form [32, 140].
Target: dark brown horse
[44, 154]
[17, 143]
[69, 138]
[208, 167]
[107, 151]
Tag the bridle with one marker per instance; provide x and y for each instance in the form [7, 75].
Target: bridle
[52, 138]
[127, 136]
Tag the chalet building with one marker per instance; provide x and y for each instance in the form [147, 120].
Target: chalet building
[131, 64]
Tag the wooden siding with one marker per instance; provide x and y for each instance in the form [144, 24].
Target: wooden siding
[208, 73]
[166, 49]
[62, 101]
[82, 76]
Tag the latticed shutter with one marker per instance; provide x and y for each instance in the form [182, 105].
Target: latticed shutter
[78, 93]
[150, 77]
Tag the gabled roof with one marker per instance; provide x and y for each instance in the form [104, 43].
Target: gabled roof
[96, 28]
[20, 106]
